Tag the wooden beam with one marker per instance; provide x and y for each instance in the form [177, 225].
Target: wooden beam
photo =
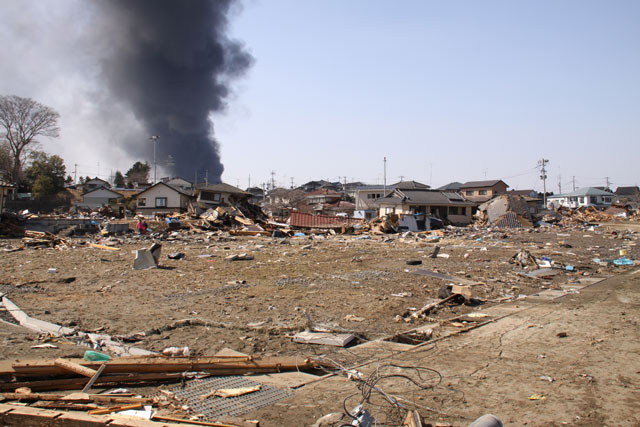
[75, 368]
[149, 364]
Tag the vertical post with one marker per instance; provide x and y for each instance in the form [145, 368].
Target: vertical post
[206, 177]
[154, 138]
[75, 173]
[543, 176]
[574, 183]
[385, 176]
[559, 184]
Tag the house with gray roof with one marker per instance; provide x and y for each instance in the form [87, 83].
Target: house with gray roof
[445, 205]
[481, 191]
[582, 197]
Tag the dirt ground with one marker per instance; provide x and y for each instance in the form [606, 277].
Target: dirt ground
[323, 281]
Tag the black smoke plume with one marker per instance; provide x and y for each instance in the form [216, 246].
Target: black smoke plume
[171, 62]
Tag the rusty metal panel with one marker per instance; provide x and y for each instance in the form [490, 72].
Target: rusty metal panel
[305, 220]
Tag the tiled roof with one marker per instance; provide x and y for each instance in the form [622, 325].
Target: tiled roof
[586, 191]
[410, 185]
[222, 187]
[477, 184]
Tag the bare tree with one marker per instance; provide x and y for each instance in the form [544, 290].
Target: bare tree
[23, 120]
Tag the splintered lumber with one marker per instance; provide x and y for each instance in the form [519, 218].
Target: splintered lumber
[75, 368]
[40, 417]
[231, 392]
[105, 247]
[76, 383]
[94, 378]
[75, 398]
[111, 409]
[431, 306]
[197, 423]
[165, 365]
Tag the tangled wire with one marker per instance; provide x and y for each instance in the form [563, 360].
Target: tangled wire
[370, 387]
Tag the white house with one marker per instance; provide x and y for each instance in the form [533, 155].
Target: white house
[94, 183]
[365, 198]
[162, 198]
[99, 197]
[583, 197]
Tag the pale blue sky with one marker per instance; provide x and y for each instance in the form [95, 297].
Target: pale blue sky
[444, 90]
[447, 90]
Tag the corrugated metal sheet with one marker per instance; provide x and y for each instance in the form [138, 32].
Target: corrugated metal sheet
[305, 220]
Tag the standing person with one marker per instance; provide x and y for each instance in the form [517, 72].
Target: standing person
[141, 227]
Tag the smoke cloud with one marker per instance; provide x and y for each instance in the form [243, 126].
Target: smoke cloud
[172, 63]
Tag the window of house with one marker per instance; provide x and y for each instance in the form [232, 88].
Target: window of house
[142, 202]
[482, 192]
[593, 199]
[606, 199]
[210, 196]
[161, 202]
[453, 210]
[468, 193]
[581, 199]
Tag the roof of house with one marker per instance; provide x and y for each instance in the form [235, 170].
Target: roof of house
[586, 191]
[425, 197]
[477, 184]
[366, 187]
[102, 188]
[324, 192]
[455, 186]
[221, 187]
[178, 190]
[521, 192]
[627, 191]
[410, 185]
[97, 179]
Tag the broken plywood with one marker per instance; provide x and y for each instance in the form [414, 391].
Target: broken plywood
[322, 338]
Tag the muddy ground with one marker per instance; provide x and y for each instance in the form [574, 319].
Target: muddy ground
[319, 281]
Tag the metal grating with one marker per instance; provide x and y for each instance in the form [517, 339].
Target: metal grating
[214, 407]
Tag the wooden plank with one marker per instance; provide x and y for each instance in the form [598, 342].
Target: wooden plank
[108, 248]
[117, 408]
[75, 368]
[197, 423]
[94, 378]
[167, 365]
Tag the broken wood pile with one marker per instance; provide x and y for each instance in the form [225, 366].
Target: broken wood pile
[66, 374]
[43, 239]
[10, 225]
[592, 215]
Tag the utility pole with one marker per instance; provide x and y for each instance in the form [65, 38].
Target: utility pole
[195, 179]
[249, 186]
[543, 176]
[559, 184]
[273, 181]
[574, 182]
[608, 183]
[385, 176]
[292, 183]
[206, 177]
[75, 173]
[154, 138]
